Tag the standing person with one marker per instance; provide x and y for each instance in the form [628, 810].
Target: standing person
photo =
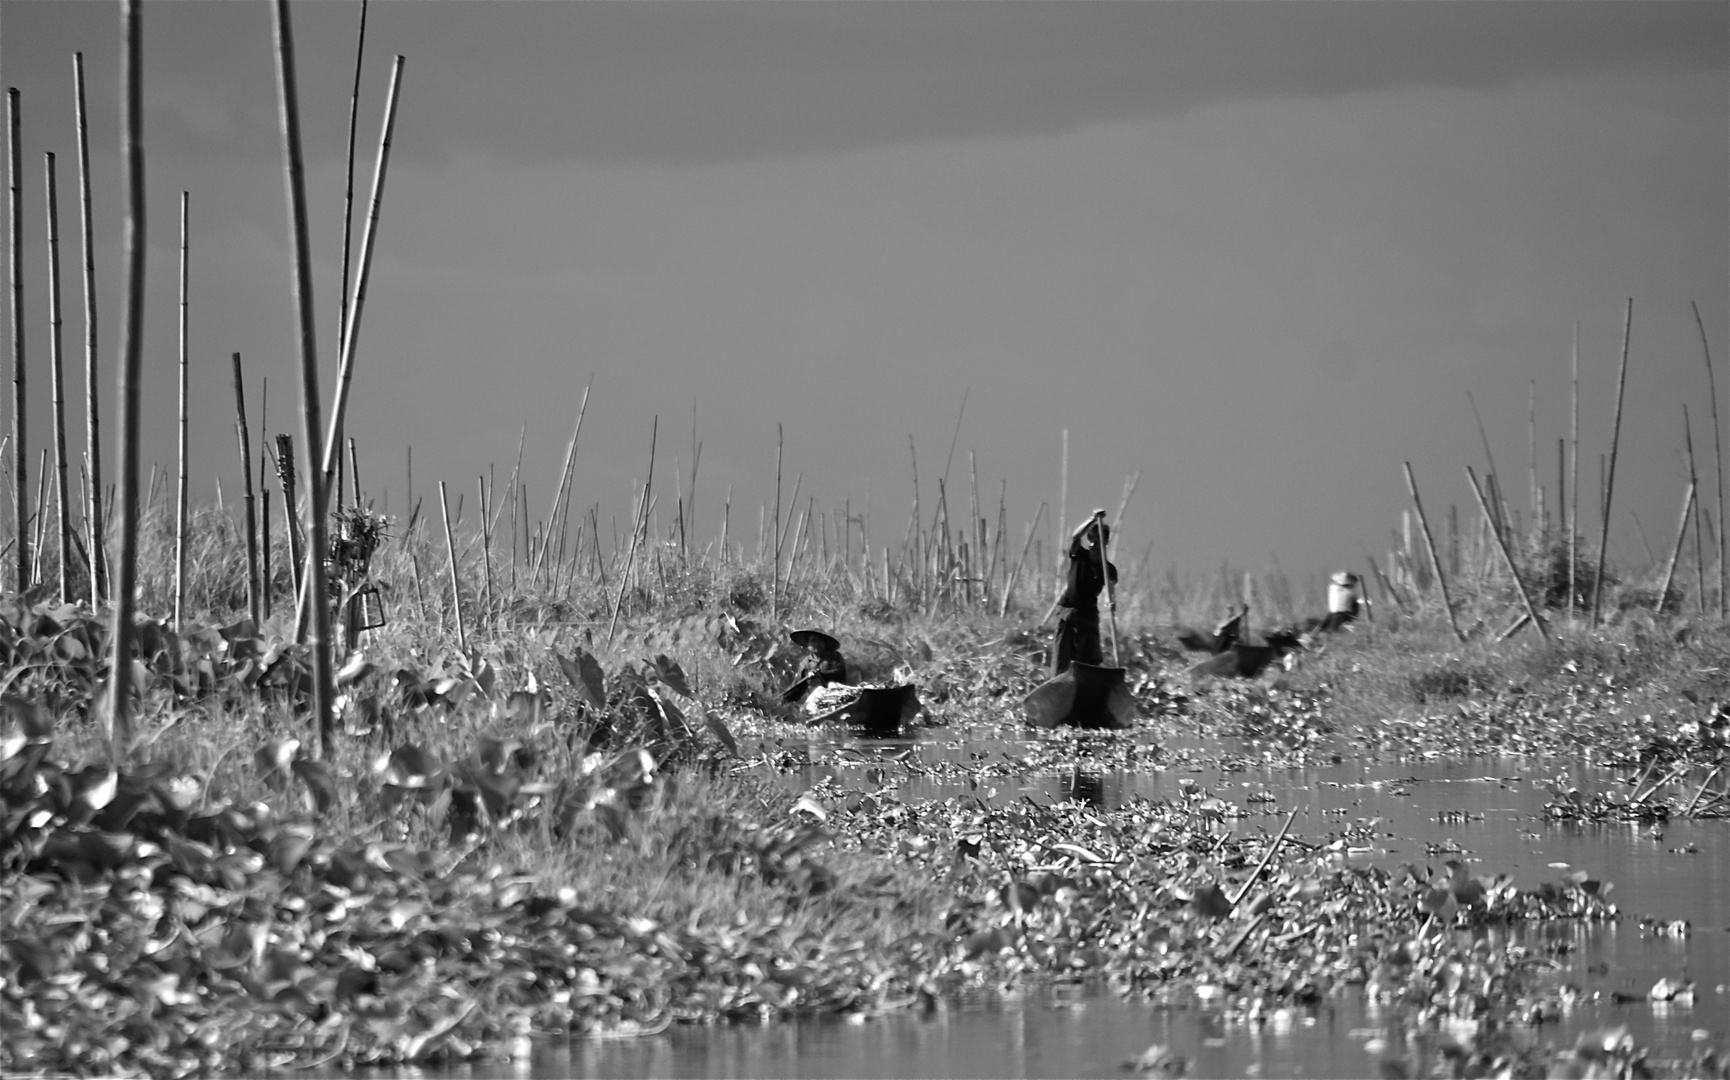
[1078, 607]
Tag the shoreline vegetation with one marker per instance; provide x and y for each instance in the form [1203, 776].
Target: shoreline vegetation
[552, 833]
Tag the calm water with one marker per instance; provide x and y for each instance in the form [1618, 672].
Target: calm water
[1487, 812]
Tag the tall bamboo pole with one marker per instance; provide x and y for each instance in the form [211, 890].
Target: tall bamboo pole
[1508, 557]
[117, 717]
[1435, 560]
[1693, 480]
[319, 637]
[1574, 482]
[1676, 552]
[58, 375]
[332, 447]
[348, 194]
[1610, 475]
[245, 437]
[92, 436]
[1717, 456]
[180, 507]
[15, 244]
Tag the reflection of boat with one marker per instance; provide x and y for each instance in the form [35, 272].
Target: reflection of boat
[878, 711]
[1084, 696]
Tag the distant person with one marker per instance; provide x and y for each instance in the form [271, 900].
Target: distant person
[822, 665]
[1345, 595]
[1078, 607]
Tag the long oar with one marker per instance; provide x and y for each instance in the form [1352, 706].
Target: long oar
[1105, 572]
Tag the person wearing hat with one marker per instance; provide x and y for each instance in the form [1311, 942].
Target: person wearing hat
[821, 666]
[1344, 597]
[1078, 607]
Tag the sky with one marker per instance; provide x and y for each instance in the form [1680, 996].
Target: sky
[1258, 253]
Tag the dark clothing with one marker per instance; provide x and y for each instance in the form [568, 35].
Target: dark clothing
[1084, 582]
[1078, 609]
[1077, 639]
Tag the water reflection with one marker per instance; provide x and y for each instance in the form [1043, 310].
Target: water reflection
[1488, 812]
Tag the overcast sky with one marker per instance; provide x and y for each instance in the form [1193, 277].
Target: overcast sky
[1259, 252]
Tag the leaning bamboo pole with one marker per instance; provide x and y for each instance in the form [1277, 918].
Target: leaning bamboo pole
[1610, 474]
[15, 259]
[180, 496]
[637, 528]
[332, 446]
[1717, 455]
[1435, 560]
[348, 191]
[117, 716]
[92, 436]
[560, 493]
[58, 375]
[1693, 480]
[318, 639]
[1508, 557]
[1574, 483]
[1676, 551]
[245, 437]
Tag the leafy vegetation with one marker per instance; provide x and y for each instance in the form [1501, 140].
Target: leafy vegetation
[558, 832]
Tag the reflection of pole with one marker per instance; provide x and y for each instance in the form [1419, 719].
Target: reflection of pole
[1105, 573]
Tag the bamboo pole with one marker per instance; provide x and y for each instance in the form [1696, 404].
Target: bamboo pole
[486, 553]
[354, 471]
[117, 715]
[41, 518]
[1610, 476]
[1009, 582]
[1573, 502]
[263, 548]
[1496, 521]
[1508, 557]
[560, 492]
[348, 193]
[180, 491]
[1693, 480]
[58, 375]
[15, 258]
[318, 638]
[1435, 560]
[332, 446]
[290, 520]
[245, 438]
[638, 526]
[1717, 457]
[1676, 552]
[1110, 597]
[451, 554]
[93, 441]
[775, 568]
